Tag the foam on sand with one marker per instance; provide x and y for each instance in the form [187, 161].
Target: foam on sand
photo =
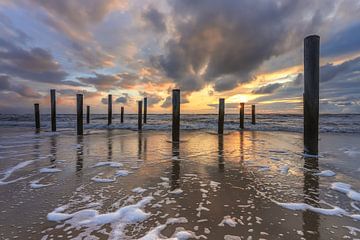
[88, 217]
[138, 190]
[335, 211]
[36, 184]
[110, 164]
[102, 180]
[230, 221]
[49, 170]
[122, 173]
[326, 173]
[176, 191]
[155, 233]
[7, 173]
[346, 188]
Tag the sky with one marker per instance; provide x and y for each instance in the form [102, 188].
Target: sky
[242, 50]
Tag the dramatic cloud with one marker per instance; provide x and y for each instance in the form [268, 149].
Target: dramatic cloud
[20, 89]
[35, 64]
[152, 98]
[267, 89]
[101, 82]
[220, 42]
[155, 19]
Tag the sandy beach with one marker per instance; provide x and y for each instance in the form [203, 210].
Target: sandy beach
[121, 184]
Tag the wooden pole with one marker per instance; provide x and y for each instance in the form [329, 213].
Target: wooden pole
[242, 111]
[221, 116]
[176, 115]
[87, 114]
[253, 119]
[311, 94]
[122, 115]
[109, 109]
[79, 107]
[140, 115]
[145, 109]
[53, 110]
[37, 116]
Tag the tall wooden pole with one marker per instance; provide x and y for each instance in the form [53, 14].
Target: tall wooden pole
[221, 116]
[242, 113]
[176, 115]
[311, 94]
[145, 109]
[122, 115]
[80, 117]
[53, 109]
[87, 114]
[140, 115]
[37, 116]
[109, 109]
[253, 119]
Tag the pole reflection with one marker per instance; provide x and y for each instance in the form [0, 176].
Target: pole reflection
[241, 146]
[80, 153]
[140, 136]
[311, 220]
[221, 161]
[53, 151]
[110, 145]
[175, 170]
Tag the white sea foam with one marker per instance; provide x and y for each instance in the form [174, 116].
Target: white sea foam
[102, 180]
[88, 217]
[335, 211]
[230, 221]
[49, 170]
[36, 184]
[110, 164]
[138, 190]
[284, 169]
[176, 191]
[326, 173]
[122, 173]
[346, 188]
[8, 172]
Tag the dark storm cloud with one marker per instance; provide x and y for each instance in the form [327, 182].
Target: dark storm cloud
[21, 89]
[152, 98]
[35, 64]
[227, 105]
[124, 99]
[224, 42]
[267, 89]
[155, 19]
[168, 101]
[101, 82]
[343, 42]
[330, 71]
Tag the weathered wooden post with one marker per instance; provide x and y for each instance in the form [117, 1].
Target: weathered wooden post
[122, 115]
[53, 110]
[87, 114]
[221, 116]
[242, 112]
[79, 115]
[109, 109]
[311, 94]
[253, 119]
[145, 109]
[176, 115]
[37, 116]
[140, 115]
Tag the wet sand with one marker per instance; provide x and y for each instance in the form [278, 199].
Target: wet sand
[237, 186]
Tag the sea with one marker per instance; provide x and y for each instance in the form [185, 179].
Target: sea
[334, 123]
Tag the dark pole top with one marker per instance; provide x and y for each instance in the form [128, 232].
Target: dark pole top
[312, 36]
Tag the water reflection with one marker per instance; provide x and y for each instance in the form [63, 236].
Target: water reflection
[80, 153]
[241, 146]
[311, 220]
[175, 170]
[110, 145]
[221, 161]
[53, 143]
[140, 136]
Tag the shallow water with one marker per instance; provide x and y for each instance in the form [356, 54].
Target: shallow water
[215, 187]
